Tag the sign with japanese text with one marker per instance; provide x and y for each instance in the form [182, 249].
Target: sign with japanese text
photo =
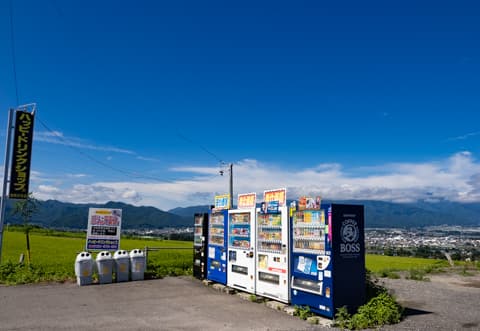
[22, 154]
[247, 200]
[103, 232]
[279, 195]
[222, 201]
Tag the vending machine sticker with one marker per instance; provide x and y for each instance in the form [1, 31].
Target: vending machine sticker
[263, 261]
[272, 207]
[211, 252]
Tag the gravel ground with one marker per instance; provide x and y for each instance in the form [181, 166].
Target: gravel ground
[447, 302]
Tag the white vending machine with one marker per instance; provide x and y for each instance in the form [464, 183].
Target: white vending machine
[273, 270]
[241, 246]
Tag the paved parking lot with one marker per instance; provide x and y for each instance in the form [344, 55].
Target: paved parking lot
[447, 302]
[173, 303]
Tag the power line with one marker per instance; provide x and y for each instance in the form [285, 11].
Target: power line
[201, 147]
[12, 44]
[97, 161]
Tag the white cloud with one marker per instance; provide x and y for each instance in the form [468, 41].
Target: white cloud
[465, 136]
[48, 189]
[456, 178]
[55, 137]
[77, 175]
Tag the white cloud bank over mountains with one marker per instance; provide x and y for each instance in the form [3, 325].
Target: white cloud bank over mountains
[456, 178]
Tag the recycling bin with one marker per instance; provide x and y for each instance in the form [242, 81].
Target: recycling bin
[121, 261]
[84, 268]
[104, 267]
[137, 264]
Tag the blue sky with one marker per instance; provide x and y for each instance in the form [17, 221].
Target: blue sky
[141, 101]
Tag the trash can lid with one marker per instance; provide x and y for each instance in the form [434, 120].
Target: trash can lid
[104, 255]
[137, 253]
[83, 256]
[120, 254]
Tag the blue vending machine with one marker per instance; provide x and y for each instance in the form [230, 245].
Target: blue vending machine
[328, 257]
[217, 246]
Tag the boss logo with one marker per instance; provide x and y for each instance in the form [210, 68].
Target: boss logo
[349, 234]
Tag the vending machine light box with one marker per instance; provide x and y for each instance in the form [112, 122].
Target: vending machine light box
[325, 274]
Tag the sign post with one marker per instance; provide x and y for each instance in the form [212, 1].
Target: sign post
[22, 153]
[3, 202]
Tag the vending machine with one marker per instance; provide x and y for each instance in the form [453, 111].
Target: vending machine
[217, 241]
[200, 244]
[328, 257]
[272, 261]
[241, 245]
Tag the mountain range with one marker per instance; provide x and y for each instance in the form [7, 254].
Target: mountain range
[56, 214]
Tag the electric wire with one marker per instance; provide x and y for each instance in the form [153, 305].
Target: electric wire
[127, 173]
[201, 147]
[12, 46]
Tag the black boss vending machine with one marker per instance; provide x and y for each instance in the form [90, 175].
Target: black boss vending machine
[327, 256]
[217, 240]
[200, 244]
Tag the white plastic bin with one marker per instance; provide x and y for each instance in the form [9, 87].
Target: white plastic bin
[137, 264]
[84, 268]
[121, 260]
[104, 267]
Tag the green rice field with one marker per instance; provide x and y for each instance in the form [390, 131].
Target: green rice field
[53, 257]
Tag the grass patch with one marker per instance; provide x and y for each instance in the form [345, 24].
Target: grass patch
[417, 274]
[388, 273]
[380, 309]
[303, 312]
[377, 263]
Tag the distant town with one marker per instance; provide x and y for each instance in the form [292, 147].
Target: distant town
[460, 243]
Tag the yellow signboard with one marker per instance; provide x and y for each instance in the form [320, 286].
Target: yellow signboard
[279, 195]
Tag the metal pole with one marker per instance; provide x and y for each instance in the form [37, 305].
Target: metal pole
[3, 202]
[231, 186]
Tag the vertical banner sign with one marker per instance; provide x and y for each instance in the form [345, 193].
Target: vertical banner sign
[104, 227]
[21, 157]
[247, 200]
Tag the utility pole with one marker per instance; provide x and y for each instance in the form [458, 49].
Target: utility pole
[6, 165]
[231, 186]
